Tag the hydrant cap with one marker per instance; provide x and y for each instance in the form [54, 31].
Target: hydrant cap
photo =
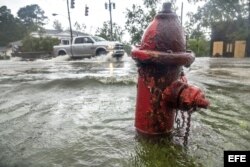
[166, 7]
[163, 41]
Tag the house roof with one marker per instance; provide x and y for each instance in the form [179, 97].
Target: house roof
[57, 33]
[76, 33]
[52, 31]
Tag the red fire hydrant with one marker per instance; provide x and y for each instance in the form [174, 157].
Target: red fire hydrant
[162, 87]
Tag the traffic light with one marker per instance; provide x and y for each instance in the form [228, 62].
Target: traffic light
[106, 5]
[86, 10]
[72, 4]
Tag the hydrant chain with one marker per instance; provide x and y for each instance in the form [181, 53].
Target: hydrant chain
[183, 118]
[180, 122]
[185, 142]
[177, 120]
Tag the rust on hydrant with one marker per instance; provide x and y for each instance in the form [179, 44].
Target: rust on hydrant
[162, 86]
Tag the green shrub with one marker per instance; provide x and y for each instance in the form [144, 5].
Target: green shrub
[42, 44]
[199, 46]
[4, 57]
[127, 48]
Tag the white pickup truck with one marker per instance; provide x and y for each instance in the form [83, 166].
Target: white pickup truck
[89, 46]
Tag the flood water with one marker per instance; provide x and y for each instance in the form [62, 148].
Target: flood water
[72, 113]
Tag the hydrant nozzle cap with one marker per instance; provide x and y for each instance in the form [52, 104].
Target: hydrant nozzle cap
[166, 8]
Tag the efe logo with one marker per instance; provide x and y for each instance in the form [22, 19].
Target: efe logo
[236, 158]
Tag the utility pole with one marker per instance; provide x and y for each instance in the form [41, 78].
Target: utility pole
[109, 7]
[181, 12]
[182, 24]
[70, 27]
[248, 30]
[111, 24]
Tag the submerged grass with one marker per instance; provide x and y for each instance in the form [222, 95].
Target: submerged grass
[161, 153]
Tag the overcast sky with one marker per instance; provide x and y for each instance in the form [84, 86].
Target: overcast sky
[97, 12]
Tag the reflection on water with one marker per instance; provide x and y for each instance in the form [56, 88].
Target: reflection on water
[63, 112]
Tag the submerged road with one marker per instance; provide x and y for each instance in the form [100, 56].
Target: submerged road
[81, 113]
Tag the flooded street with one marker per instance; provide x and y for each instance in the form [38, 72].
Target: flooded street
[63, 113]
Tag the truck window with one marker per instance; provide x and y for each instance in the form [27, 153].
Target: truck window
[83, 40]
[87, 40]
[65, 42]
[98, 39]
[78, 40]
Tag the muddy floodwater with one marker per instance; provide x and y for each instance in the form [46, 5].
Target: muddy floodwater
[73, 113]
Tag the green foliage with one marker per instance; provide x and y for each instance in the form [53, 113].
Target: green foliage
[137, 21]
[4, 57]
[32, 16]
[219, 12]
[199, 46]
[80, 28]
[150, 3]
[198, 43]
[31, 44]
[127, 48]
[161, 154]
[227, 30]
[105, 32]
[11, 29]
[57, 26]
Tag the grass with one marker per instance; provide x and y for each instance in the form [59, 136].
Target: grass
[161, 153]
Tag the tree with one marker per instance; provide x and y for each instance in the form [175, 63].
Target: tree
[219, 11]
[11, 28]
[200, 46]
[57, 26]
[32, 17]
[137, 21]
[104, 31]
[227, 18]
[79, 27]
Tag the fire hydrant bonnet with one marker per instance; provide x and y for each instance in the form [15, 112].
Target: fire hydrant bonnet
[163, 41]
